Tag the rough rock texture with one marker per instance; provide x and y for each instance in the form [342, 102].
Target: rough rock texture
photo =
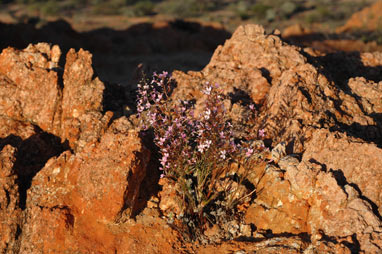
[81, 120]
[81, 195]
[72, 176]
[69, 175]
[33, 91]
[353, 161]
[10, 220]
[314, 197]
[327, 109]
[27, 75]
[295, 95]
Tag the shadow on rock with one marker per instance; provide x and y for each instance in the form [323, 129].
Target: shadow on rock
[31, 156]
[345, 65]
[349, 72]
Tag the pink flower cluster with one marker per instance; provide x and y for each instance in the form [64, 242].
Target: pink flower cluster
[178, 132]
[195, 150]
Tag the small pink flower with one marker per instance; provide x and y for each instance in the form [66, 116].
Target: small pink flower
[262, 133]
[159, 97]
[140, 109]
[205, 145]
[163, 74]
[207, 90]
[223, 154]
[207, 114]
[161, 141]
[249, 152]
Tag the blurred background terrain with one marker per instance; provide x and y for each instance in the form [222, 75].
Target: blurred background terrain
[127, 36]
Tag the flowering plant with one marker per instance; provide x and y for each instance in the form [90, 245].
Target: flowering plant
[197, 149]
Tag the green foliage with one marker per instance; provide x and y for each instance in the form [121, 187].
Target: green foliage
[186, 8]
[111, 7]
[265, 10]
[288, 8]
[143, 8]
[50, 8]
[259, 10]
[242, 10]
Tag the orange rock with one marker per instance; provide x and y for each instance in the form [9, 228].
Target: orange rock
[10, 212]
[368, 19]
[78, 196]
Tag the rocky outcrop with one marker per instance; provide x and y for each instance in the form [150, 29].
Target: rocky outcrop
[26, 76]
[325, 194]
[295, 95]
[35, 91]
[72, 175]
[80, 195]
[68, 173]
[330, 118]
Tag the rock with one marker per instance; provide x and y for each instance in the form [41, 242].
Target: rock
[81, 101]
[366, 19]
[250, 53]
[67, 108]
[369, 93]
[74, 173]
[290, 244]
[298, 97]
[64, 198]
[11, 129]
[10, 211]
[245, 62]
[171, 203]
[301, 104]
[26, 76]
[276, 207]
[360, 33]
[295, 31]
[346, 45]
[314, 197]
[86, 190]
[341, 212]
[352, 161]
